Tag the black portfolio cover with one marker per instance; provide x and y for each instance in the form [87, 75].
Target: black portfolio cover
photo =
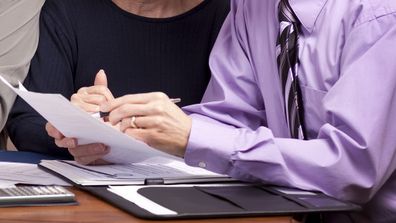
[225, 201]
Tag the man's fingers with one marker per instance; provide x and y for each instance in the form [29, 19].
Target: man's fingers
[143, 122]
[133, 99]
[129, 110]
[126, 110]
[139, 134]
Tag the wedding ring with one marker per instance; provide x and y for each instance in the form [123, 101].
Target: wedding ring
[132, 123]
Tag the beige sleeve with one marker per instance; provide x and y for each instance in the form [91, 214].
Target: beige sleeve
[19, 33]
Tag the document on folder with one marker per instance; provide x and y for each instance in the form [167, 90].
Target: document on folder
[157, 170]
[75, 123]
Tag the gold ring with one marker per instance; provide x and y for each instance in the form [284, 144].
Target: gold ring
[132, 122]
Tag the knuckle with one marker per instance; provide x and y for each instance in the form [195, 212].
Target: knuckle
[149, 138]
[124, 126]
[55, 134]
[158, 108]
[157, 121]
[123, 110]
[48, 128]
[82, 90]
[160, 95]
[74, 97]
[102, 99]
[97, 99]
[58, 143]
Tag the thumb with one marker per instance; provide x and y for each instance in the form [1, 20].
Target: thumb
[101, 78]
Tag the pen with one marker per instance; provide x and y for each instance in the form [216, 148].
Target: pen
[106, 114]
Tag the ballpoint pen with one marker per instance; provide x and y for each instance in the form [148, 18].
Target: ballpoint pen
[101, 114]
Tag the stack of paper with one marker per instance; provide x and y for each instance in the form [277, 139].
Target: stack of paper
[23, 173]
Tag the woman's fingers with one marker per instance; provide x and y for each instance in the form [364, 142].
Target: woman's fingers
[90, 98]
[53, 132]
[97, 89]
[66, 142]
[90, 160]
[87, 154]
[88, 150]
[89, 102]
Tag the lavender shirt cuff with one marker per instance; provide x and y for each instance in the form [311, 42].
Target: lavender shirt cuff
[206, 150]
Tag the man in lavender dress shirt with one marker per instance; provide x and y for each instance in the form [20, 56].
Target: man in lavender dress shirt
[347, 76]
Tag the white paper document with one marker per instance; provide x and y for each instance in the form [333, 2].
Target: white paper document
[158, 170]
[24, 173]
[75, 123]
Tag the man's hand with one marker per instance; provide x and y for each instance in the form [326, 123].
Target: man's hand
[152, 118]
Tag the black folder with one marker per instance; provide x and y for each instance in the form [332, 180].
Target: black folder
[206, 201]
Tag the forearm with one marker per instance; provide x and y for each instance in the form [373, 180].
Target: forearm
[334, 163]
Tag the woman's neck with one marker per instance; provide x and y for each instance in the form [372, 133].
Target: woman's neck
[157, 8]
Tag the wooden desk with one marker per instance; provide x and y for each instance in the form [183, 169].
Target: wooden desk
[92, 210]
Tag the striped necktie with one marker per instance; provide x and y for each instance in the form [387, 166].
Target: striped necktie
[287, 58]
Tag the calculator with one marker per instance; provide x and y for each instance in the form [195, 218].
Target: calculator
[36, 196]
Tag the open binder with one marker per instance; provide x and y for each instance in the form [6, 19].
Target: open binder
[227, 200]
[188, 192]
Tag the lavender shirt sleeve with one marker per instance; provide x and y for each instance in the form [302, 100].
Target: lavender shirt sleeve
[353, 152]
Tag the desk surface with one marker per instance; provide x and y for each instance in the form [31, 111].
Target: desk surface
[91, 209]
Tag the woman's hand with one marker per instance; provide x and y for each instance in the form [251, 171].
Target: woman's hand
[83, 154]
[152, 118]
[90, 98]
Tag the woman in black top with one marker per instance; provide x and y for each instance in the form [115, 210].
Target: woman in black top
[138, 53]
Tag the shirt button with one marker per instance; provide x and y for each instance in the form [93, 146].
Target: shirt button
[202, 164]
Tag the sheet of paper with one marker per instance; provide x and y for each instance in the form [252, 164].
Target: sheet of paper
[23, 173]
[75, 123]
